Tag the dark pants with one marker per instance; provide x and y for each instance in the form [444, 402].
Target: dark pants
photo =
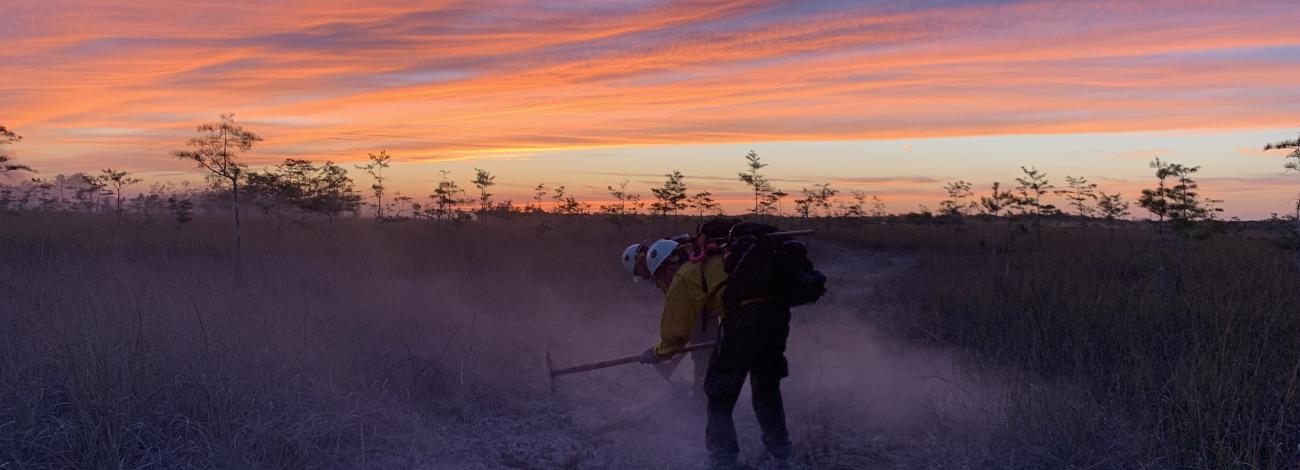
[755, 349]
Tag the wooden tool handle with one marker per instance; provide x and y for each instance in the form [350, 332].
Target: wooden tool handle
[622, 360]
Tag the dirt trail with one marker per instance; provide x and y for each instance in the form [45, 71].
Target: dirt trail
[855, 398]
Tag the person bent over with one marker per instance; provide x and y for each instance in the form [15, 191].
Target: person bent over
[662, 261]
[692, 296]
[752, 342]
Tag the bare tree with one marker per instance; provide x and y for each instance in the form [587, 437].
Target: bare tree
[703, 203]
[566, 204]
[817, 198]
[399, 203]
[993, 205]
[803, 206]
[997, 201]
[878, 208]
[1292, 159]
[216, 151]
[376, 171]
[1029, 197]
[149, 203]
[956, 205]
[1112, 206]
[755, 180]
[1291, 163]
[118, 180]
[1176, 202]
[44, 192]
[182, 208]
[824, 194]
[624, 206]
[571, 206]
[484, 181]
[447, 198]
[8, 137]
[1081, 195]
[332, 192]
[87, 192]
[312, 189]
[670, 198]
[63, 182]
[558, 197]
[771, 203]
[1176, 199]
[539, 193]
[857, 208]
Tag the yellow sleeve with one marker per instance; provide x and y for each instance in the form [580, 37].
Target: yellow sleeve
[682, 305]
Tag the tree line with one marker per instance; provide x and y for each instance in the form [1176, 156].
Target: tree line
[301, 188]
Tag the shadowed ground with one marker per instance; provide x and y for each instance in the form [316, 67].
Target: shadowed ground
[354, 345]
[855, 398]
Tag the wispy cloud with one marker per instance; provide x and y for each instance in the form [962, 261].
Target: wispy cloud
[463, 77]
[1144, 154]
[1260, 152]
[659, 177]
[888, 180]
[453, 80]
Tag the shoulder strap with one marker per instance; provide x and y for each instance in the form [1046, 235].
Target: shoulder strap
[704, 277]
[704, 284]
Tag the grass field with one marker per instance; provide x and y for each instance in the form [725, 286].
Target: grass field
[1196, 344]
[356, 344]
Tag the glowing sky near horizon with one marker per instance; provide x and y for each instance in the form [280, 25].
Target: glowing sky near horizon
[892, 98]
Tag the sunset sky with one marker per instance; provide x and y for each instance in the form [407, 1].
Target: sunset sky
[893, 98]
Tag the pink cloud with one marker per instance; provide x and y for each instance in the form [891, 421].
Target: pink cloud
[95, 80]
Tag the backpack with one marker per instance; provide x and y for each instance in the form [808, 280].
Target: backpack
[762, 266]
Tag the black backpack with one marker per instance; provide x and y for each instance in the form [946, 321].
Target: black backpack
[766, 267]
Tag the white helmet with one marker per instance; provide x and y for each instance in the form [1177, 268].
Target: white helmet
[659, 252]
[629, 258]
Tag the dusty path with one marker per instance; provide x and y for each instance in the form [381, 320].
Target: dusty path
[855, 398]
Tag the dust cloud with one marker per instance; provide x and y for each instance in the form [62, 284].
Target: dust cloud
[856, 397]
[350, 345]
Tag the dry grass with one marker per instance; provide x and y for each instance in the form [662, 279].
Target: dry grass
[336, 345]
[356, 344]
[1196, 353]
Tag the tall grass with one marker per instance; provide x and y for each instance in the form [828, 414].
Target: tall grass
[352, 344]
[1196, 347]
[330, 345]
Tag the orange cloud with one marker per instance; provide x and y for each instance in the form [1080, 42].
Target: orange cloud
[95, 81]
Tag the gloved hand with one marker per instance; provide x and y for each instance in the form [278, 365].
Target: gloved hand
[649, 357]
